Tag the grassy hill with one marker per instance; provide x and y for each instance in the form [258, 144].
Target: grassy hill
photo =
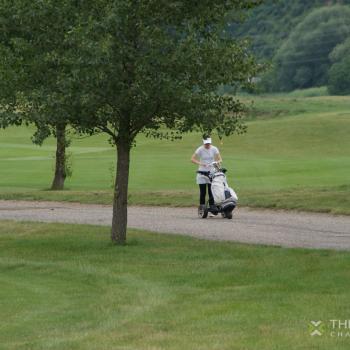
[296, 154]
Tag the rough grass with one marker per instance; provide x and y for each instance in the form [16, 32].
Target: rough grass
[66, 287]
[311, 92]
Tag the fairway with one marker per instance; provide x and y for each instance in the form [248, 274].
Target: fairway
[296, 154]
[67, 287]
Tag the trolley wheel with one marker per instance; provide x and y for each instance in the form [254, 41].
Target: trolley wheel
[228, 215]
[203, 212]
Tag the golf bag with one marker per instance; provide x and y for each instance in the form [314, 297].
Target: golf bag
[225, 198]
[222, 193]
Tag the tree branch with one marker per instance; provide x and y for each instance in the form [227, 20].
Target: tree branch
[109, 132]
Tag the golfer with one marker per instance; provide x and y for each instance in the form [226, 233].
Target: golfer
[204, 156]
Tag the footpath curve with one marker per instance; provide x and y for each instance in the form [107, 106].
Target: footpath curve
[281, 228]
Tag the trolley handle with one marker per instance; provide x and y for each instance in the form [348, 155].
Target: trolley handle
[205, 173]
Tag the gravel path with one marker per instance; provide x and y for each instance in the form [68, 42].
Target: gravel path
[283, 228]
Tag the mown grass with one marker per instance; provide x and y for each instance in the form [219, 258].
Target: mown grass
[67, 287]
[296, 154]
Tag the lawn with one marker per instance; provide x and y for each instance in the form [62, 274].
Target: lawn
[67, 287]
[296, 155]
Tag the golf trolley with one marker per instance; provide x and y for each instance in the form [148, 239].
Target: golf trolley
[225, 198]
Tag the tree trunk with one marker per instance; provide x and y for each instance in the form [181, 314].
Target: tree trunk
[120, 201]
[60, 168]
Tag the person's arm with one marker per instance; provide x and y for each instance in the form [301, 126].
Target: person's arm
[195, 160]
[218, 158]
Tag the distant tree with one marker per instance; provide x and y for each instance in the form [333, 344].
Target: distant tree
[33, 73]
[339, 77]
[270, 24]
[303, 60]
[339, 73]
[340, 52]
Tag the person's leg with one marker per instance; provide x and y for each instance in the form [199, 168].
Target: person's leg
[211, 198]
[202, 190]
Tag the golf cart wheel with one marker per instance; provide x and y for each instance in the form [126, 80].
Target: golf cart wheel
[228, 215]
[203, 213]
[214, 210]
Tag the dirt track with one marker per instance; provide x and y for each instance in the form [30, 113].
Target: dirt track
[283, 228]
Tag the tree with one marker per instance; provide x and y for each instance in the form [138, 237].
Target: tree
[33, 73]
[340, 52]
[56, 128]
[339, 78]
[268, 25]
[339, 73]
[303, 60]
[149, 67]
[152, 65]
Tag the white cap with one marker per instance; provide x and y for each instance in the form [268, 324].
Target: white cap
[207, 140]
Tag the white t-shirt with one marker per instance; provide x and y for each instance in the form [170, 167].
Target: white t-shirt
[206, 156]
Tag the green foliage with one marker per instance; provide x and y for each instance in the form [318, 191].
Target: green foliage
[340, 52]
[339, 74]
[269, 25]
[303, 60]
[141, 68]
[68, 164]
[122, 67]
[33, 71]
[33, 47]
[339, 77]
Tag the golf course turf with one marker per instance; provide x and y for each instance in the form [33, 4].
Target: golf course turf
[67, 287]
[295, 155]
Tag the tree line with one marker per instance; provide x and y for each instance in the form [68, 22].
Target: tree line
[305, 43]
